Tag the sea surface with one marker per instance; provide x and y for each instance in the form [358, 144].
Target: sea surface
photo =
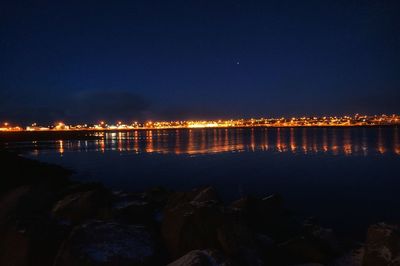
[346, 177]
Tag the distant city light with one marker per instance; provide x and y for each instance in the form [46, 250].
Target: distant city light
[332, 121]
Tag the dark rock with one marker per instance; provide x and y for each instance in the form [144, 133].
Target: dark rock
[205, 195]
[189, 226]
[234, 236]
[107, 243]
[382, 246]
[196, 220]
[306, 249]
[12, 240]
[315, 244]
[197, 196]
[311, 264]
[81, 206]
[18, 171]
[352, 257]
[238, 242]
[325, 237]
[135, 212]
[267, 216]
[201, 258]
[157, 196]
[28, 236]
[190, 221]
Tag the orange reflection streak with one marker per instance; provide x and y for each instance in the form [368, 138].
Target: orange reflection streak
[292, 141]
[113, 141]
[334, 146]
[61, 147]
[214, 148]
[280, 140]
[220, 142]
[356, 143]
[35, 149]
[136, 141]
[266, 142]
[128, 141]
[364, 141]
[325, 146]
[149, 141]
[239, 144]
[381, 143]
[347, 146]
[252, 140]
[226, 141]
[343, 141]
[396, 141]
[304, 140]
[262, 143]
[119, 141]
[102, 145]
[191, 148]
[203, 140]
[177, 142]
[165, 146]
[234, 141]
[315, 145]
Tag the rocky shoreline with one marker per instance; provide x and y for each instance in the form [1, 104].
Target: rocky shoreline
[47, 219]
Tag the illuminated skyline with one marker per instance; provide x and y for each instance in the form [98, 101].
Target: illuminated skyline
[332, 121]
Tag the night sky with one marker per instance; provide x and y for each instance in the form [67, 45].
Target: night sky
[128, 60]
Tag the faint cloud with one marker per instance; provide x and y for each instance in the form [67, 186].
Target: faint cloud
[85, 106]
[106, 105]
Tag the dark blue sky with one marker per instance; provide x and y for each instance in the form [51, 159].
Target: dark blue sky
[90, 60]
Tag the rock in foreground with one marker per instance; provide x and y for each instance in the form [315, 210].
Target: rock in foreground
[201, 258]
[107, 243]
[382, 246]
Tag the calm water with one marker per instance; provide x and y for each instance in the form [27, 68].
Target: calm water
[348, 177]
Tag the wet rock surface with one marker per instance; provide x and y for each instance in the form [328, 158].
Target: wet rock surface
[382, 245]
[29, 237]
[80, 206]
[108, 243]
[191, 220]
[201, 258]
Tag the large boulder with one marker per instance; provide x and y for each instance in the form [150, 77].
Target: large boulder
[267, 216]
[81, 206]
[197, 220]
[140, 208]
[382, 245]
[108, 243]
[237, 241]
[28, 236]
[351, 257]
[157, 196]
[201, 258]
[11, 239]
[315, 244]
[197, 195]
[190, 221]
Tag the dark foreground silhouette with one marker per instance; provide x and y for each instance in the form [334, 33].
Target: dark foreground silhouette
[47, 219]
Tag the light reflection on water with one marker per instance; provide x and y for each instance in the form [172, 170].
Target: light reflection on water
[333, 141]
[345, 176]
